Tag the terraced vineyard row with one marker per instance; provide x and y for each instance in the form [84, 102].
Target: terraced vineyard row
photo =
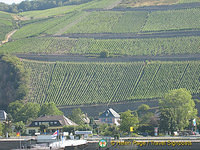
[110, 21]
[148, 47]
[43, 26]
[94, 83]
[188, 1]
[173, 19]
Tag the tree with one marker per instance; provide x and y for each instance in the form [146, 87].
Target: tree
[142, 109]
[76, 116]
[108, 130]
[20, 127]
[14, 108]
[1, 129]
[104, 54]
[49, 109]
[14, 80]
[176, 109]
[7, 126]
[28, 112]
[69, 129]
[128, 120]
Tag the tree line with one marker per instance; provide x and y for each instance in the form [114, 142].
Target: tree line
[13, 80]
[38, 5]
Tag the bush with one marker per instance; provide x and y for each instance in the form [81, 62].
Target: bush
[104, 54]
[116, 136]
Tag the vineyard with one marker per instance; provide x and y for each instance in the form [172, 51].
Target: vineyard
[58, 11]
[110, 21]
[6, 24]
[94, 83]
[143, 3]
[114, 22]
[188, 1]
[133, 47]
[173, 19]
[42, 26]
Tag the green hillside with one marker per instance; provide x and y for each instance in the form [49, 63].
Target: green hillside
[173, 19]
[66, 9]
[141, 3]
[124, 29]
[145, 47]
[6, 24]
[94, 83]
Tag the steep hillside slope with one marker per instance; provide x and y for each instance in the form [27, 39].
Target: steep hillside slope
[94, 83]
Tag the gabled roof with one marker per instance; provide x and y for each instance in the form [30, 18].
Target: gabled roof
[3, 115]
[109, 113]
[62, 119]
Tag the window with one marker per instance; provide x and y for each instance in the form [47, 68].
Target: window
[31, 132]
[36, 123]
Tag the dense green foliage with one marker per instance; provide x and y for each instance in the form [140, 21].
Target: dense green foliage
[77, 116]
[14, 80]
[127, 120]
[49, 109]
[39, 5]
[92, 83]
[177, 109]
[1, 129]
[26, 112]
[149, 47]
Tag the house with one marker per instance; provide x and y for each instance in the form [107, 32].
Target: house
[3, 116]
[109, 116]
[53, 123]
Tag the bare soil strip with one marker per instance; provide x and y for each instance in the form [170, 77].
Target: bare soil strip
[141, 35]
[81, 58]
[114, 5]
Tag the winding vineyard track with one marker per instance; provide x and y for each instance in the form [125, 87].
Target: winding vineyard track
[81, 58]
[8, 36]
[141, 35]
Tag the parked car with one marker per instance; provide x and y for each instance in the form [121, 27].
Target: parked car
[186, 132]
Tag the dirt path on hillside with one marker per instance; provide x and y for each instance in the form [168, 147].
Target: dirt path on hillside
[141, 35]
[19, 18]
[114, 4]
[8, 36]
[81, 58]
